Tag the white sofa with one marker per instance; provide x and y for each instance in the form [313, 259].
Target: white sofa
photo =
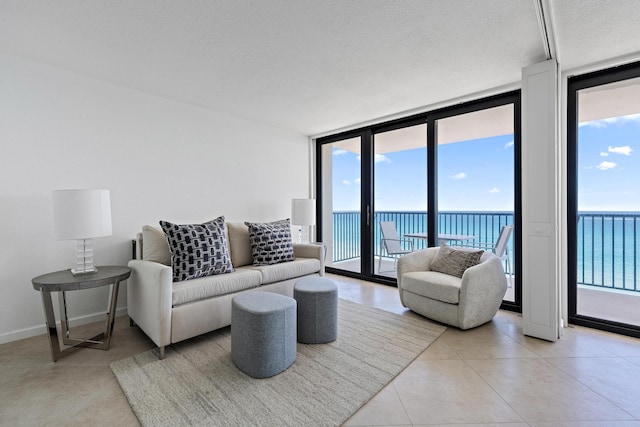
[169, 312]
[464, 302]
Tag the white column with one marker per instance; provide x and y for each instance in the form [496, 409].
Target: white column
[540, 201]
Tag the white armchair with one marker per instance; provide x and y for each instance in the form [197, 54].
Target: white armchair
[464, 302]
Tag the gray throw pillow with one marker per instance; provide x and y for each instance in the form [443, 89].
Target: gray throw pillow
[197, 250]
[454, 262]
[271, 242]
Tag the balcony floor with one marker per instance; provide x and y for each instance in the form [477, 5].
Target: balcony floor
[594, 302]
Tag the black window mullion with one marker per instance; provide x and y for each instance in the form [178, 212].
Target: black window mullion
[366, 203]
[432, 182]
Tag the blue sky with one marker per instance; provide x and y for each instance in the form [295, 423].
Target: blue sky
[473, 175]
[608, 164]
[477, 175]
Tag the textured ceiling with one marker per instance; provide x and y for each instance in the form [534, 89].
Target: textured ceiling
[589, 31]
[312, 65]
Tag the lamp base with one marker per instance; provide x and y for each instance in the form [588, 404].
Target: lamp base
[303, 234]
[75, 272]
[84, 258]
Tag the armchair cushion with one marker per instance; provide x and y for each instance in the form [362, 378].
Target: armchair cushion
[454, 262]
[442, 287]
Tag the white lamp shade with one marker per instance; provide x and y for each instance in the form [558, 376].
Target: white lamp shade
[81, 214]
[303, 211]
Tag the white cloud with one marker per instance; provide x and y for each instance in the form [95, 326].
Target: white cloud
[625, 149]
[508, 145]
[382, 158]
[494, 190]
[339, 152]
[606, 165]
[604, 154]
[378, 159]
[347, 182]
[460, 175]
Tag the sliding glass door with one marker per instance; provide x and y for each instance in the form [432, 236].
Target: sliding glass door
[604, 203]
[341, 222]
[446, 175]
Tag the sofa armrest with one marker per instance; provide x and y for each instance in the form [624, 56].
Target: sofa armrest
[149, 299]
[308, 250]
[482, 289]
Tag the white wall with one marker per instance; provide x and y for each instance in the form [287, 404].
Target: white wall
[161, 160]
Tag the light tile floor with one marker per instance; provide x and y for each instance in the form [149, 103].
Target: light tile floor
[488, 376]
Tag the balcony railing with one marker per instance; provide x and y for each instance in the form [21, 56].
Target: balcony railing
[608, 250]
[608, 242]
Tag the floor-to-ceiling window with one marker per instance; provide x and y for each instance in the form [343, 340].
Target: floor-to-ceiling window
[399, 193]
[604, 199]
[446, 175]
[341, 190]
[477, 181]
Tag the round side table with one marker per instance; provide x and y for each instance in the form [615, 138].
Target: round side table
[63, 281]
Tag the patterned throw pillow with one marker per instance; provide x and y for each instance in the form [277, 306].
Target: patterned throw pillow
[197, 250]
[271, 242]
[454, 262]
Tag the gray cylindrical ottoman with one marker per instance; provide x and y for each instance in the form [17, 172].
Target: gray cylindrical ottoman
[317, 299]
[263, 333]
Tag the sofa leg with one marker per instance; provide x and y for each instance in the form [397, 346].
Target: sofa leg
[131, 322]
[161, 353]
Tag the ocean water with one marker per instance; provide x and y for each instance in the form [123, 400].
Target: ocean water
[609, 249]
[608, 242]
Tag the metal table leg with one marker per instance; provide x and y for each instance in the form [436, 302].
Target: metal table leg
[100, 341]
[52, 331]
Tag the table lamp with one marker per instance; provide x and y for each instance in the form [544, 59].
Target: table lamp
[303, 214]
[82, 215]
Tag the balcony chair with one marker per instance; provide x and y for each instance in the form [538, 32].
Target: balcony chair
[500, 248]
[466, 297]
[392, 244]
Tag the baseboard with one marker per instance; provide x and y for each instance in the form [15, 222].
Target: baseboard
[41, 329]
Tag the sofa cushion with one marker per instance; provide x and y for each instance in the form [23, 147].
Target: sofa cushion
[211, 286]
[271, 242]
[154, 245]
[454, 262]
[287, 270]
[197, 250]
[434, 285]
[239, 244]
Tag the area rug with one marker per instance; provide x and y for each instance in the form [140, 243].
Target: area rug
[198, 384]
